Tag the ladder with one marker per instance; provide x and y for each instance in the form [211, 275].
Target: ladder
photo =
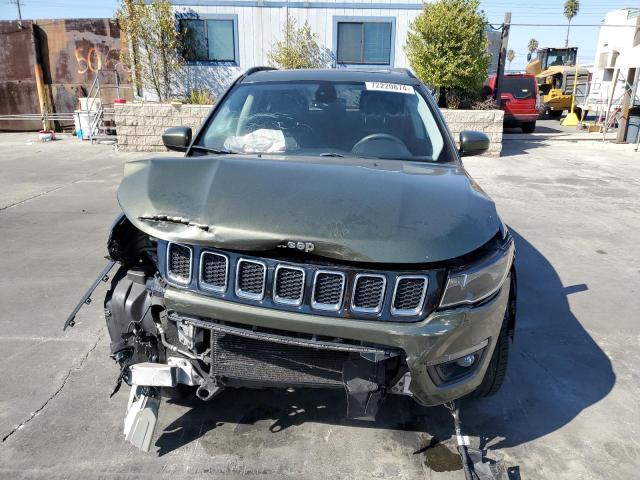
[101, 115]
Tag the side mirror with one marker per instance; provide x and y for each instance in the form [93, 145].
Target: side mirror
[177, 138]
[473, 143]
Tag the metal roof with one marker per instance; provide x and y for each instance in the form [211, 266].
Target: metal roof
[401, 76]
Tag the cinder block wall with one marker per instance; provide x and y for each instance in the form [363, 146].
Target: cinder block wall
[487, 121]
[140, 126]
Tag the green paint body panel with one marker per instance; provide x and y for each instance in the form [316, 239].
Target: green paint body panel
[352, 209]
[442, 333]
[376, 213]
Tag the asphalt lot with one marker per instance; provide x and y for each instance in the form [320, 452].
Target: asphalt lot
[568, 409]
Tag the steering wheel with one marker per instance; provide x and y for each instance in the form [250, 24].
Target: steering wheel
[277, 121]
[381, 144]
[271, 121]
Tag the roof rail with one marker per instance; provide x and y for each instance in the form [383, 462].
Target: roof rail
[257, 69]
[406, 71]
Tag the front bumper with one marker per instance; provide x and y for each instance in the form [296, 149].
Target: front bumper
[519, 118]
[438, 338]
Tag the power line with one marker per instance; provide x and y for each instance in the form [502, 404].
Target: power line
[572, 25]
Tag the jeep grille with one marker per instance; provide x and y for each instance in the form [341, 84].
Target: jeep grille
[288, 285]
[250, 279]
[179, 263]
[213, 271]
[409, 294]
[309, 287]
[368, 293]
[328, 290]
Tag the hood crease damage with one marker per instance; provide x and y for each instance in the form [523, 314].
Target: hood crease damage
[370, 210]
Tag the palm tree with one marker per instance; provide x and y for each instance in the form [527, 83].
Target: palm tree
[532, 46]
[510, 56]
[571, 8]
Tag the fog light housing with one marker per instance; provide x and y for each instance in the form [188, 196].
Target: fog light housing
[466, 361]
[455, 370]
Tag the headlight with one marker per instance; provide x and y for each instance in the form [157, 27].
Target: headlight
[480, 281]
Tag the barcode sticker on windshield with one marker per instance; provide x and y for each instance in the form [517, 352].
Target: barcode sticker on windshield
[389, 87]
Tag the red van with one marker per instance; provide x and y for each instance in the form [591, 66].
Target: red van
[519, 100]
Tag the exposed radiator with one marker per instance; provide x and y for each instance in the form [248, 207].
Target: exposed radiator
[242, 358]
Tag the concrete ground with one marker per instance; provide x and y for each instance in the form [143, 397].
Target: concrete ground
[569, 408]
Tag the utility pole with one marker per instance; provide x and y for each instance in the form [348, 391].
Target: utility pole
[19, 14]
[504, 43]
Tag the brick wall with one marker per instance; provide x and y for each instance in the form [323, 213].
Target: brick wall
[140, 126]
[487, 121]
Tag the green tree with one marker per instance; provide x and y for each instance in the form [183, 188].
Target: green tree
[447, 46]
[299, 48]
[510, 56]
[532, 46]
[571, 9]
[149, 31]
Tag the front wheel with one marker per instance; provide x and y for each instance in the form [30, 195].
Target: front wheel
[497, 369]
[528, 127]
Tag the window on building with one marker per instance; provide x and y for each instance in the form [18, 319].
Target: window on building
[209, 40]
[364, 43]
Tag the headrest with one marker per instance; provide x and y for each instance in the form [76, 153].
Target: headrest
[382, 103]
[288, 101]
[326, 93]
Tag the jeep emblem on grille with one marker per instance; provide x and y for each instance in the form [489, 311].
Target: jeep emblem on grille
[302, 246]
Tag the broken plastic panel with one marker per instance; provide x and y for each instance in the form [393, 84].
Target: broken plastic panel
[142, 415]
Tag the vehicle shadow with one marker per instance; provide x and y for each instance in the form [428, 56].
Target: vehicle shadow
[522, 144]
[539, 129]
[556, 370]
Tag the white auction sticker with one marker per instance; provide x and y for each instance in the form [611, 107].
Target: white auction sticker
[389, 87]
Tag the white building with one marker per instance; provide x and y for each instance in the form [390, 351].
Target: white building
[609, 72]
[229, 36]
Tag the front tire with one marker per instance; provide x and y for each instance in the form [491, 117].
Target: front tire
[528, 127]
[497, 369]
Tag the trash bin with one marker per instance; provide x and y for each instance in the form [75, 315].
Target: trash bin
[82, 121]
[633, 125]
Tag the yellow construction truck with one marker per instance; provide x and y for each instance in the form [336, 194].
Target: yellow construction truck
[555, 71]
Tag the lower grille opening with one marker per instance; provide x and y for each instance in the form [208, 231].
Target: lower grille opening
[254, 360]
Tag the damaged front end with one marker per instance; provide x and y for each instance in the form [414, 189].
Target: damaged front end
[196, 319]
[161, 346]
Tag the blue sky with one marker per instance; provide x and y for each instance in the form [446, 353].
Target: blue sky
[538, 11]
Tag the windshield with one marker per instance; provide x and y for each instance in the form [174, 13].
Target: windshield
[371, 119]
[561, 57]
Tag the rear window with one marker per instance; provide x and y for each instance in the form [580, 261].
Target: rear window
[520, 87]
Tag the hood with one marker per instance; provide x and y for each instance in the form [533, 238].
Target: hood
[366, 210]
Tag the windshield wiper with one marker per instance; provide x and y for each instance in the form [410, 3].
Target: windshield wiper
[213, 150]
[331, 154]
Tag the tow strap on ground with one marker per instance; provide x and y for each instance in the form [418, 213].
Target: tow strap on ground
[474, 464]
